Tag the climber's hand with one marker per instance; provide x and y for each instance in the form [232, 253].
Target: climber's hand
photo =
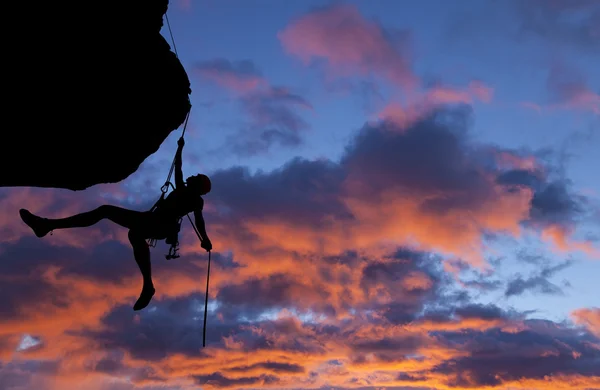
[206, 244]
[180, 142]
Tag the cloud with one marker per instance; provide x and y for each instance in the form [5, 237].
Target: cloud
[274, 120]
[186, 5]
[571, 23]
[589, 318]
[536, 283]
[325, 274]
[272, 110]
[555, 24]
[553, 203]
[386, 188]
[555, 208]
[240, 76]
[425, 104]
[361, 55]
[524, 354]
[570, 89]
[349, 44]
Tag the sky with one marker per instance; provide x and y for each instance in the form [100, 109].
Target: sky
[405, 196]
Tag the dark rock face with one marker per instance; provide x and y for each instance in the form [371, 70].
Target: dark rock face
[91, 89]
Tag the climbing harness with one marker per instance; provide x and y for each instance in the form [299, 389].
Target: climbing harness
[173, 238]
[164, 189]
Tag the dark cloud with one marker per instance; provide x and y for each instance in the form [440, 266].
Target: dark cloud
[12, 377]
[410, 278]
[538, 282]
[553, 202]
[531, 258]
[450, 314]
[18, 374]
[219, 380]
[21, 265]
[474, 278]
[485, 312]
[244, 69]
[277, 291]
[274, 120]
[276, 367]
[272, 111]
[384, 347]
[382, 156]
[386, 156]
[159, 334]
[483, 284]
[573, 23]
[496, 356]
[531, 179]
[554, 23]
[384, 159]
[108, 366]
[380, 291]
[164, 332]
[108, 262]
[303, 191]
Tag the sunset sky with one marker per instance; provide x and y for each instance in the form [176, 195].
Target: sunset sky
[405, 196]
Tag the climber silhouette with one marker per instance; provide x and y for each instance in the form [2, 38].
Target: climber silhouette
[162, 222]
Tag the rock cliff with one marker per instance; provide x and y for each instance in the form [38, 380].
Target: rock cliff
[91, 89]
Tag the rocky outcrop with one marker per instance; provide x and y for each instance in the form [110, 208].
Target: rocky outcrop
[91, 89]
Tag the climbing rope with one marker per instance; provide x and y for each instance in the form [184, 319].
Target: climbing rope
[171, 33]
[167, 182]
[165, 188]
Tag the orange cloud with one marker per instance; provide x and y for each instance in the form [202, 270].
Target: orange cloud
[560, 236]
[589, 318]
[422, 106]
[316, 292]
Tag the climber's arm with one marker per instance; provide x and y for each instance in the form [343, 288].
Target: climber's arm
[199, 219]
[178, 162]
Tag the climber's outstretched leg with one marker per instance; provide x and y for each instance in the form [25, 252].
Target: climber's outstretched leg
[41, 226]
[135, 221]
[141, 251]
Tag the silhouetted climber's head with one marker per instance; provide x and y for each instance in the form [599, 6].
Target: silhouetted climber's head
[200, 183]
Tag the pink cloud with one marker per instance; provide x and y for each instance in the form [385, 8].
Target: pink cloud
[233, 82]
[507, 160]
[237, 76]
[585, 99]
[349, 43]
[185, 4]
[569, 90]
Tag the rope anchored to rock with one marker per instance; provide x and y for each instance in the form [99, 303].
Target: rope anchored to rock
[164, 189]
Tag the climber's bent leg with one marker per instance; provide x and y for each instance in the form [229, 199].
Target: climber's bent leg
[141, 252]
[41, 226]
